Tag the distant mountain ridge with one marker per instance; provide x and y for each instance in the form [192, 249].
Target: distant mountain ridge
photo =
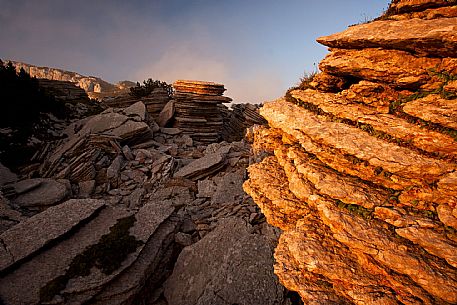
[94, 86]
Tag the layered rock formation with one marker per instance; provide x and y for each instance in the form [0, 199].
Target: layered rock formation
[197, 111]
[359, 170]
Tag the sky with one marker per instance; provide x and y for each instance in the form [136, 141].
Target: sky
[256, 48]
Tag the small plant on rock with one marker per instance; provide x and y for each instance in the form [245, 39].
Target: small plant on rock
[149, 86]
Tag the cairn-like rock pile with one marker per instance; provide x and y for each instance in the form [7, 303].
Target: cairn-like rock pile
[360, 169]
[197, 112]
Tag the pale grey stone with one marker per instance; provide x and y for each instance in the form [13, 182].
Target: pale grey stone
[32, 234]
[166, 114]
[228, 266]
[138, 109]
[202, 167]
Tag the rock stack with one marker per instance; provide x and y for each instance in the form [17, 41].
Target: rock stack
[196, 109]
[361, 167]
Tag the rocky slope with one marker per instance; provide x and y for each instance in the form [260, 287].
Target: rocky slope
[359, 168]
[121, 211]
[95, 87]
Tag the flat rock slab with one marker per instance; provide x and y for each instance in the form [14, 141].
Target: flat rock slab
[34, 233]
[424, 37]
[54, 262]
[229, 187]
[41, 192]
[202, 167]
[228, 266]
[399, 68]
[153, 261]
[148, 219]
[103, 122]
[435, 109]
[399, 128]
[130, 129]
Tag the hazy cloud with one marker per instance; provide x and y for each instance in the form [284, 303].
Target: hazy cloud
[255, 48]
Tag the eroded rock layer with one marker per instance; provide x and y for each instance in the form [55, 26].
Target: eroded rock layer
[197, 111]
[358, 167]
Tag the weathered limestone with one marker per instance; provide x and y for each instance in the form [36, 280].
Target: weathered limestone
[154, 102]
[358, 167]
[394, 67]
[239, 119]
[40, 192]
[435, 109]
[197, 110]
[203, 167]
[422, 37]
[300, 122]
[428, 140]
[63, 91]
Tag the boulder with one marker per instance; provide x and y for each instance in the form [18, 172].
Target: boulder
[237, 271]
[166, 114]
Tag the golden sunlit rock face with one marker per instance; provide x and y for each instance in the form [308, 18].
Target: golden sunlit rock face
[358, 166]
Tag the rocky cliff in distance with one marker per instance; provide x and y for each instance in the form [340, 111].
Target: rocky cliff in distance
[94, 86]
[358, 167]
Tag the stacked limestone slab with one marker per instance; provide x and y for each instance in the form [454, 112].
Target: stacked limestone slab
[361, 167]
[197, 111]
[154, 102]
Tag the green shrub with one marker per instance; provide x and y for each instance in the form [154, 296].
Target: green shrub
[148, 86]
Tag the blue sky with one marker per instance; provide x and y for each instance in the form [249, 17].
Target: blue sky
[256, 48]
